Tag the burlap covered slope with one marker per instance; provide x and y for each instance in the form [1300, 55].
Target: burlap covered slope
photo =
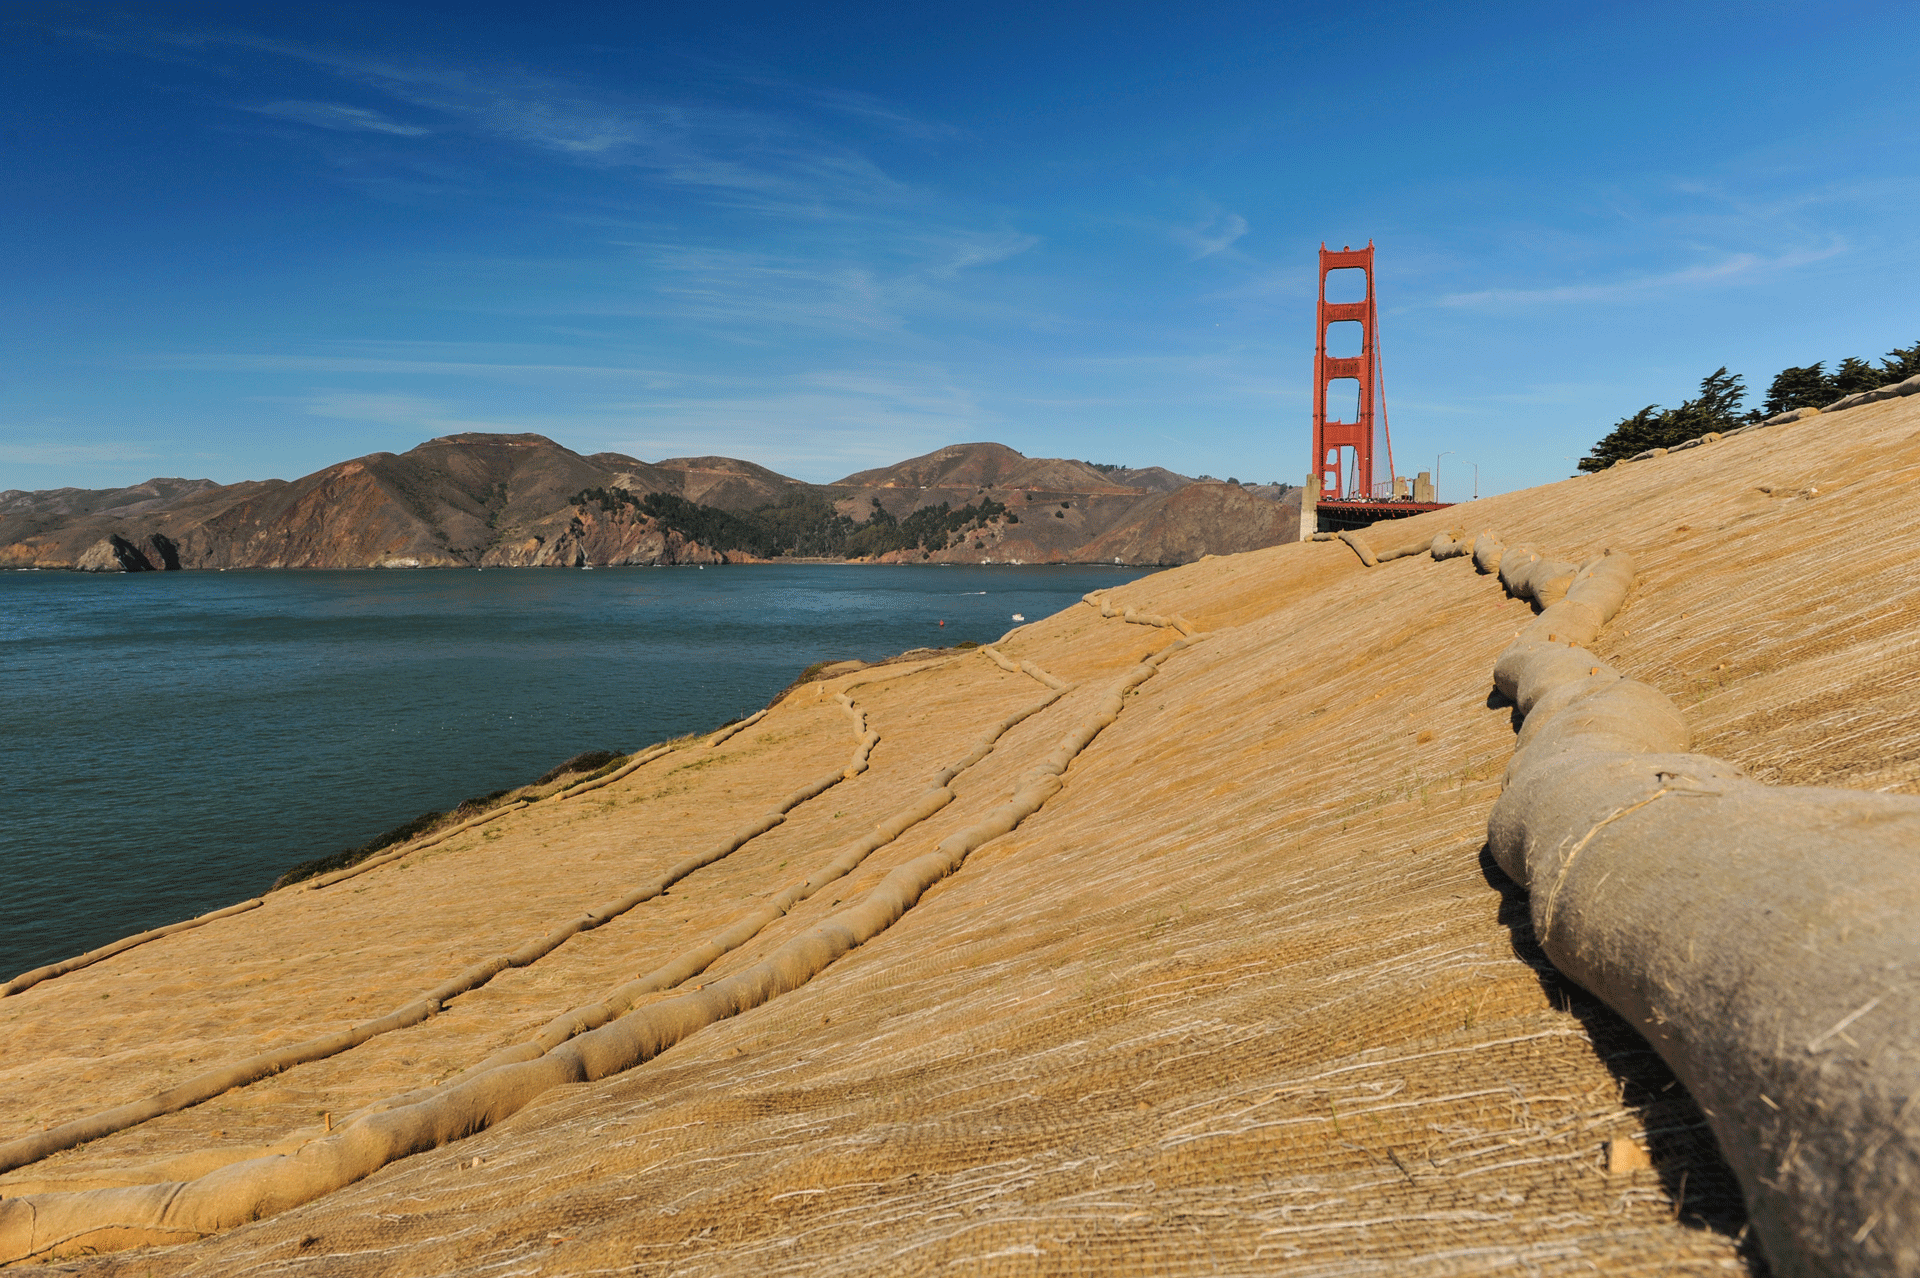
[1244, 995]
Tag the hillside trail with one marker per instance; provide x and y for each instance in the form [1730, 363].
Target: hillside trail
[1241, 990]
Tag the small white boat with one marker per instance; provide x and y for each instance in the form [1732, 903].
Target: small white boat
[1019, 616]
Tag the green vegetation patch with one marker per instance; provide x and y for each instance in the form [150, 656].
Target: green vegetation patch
[598, 762]
[595, 763]
[425, 823]
[804, 523]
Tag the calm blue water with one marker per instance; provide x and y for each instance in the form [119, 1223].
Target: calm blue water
[171, 742]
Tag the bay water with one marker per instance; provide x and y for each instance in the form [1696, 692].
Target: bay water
[171, 742]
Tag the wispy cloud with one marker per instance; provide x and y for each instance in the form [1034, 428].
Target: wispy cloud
[1212, 235]
[509, 370]
[817, 425]
[748, 157]
[896, 275]
[1735, 267]
[56, 453]
[866, 107]
[963, 252]
[760, 210]
[333, 115]
[395, 408]
[785, 157]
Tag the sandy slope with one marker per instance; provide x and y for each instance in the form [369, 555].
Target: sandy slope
[1247, 995]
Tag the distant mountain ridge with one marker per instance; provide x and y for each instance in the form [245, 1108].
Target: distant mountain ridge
[522, 500]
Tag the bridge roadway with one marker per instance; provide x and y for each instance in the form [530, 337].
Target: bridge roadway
[1340, 515]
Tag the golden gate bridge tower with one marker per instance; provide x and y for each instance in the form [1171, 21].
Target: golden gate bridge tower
[1333, 439]
[1351, 491]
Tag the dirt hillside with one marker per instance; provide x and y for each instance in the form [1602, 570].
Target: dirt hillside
[523, 501]
[1246, 994]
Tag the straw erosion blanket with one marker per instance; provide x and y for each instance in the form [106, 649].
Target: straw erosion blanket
[1206, 965]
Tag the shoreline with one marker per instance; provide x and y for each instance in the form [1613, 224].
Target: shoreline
[756, 563]
[388, 698]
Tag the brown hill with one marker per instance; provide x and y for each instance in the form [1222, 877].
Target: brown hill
[1154, 478]
[508, 500]
[1197, 520]
[982, 467]
[728, 483]
[1073, 512]
[1062, 511]
[460, 500]
[76, 503]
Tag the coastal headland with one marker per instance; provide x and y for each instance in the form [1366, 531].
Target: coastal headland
[481, 500]
[1167, 934]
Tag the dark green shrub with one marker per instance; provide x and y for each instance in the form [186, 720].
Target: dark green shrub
[353, 856]
[584, 762]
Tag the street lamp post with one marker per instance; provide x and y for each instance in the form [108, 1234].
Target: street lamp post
[1476, 479]
[1436, 473]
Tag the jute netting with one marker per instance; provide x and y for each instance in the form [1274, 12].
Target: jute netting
[1246, 994]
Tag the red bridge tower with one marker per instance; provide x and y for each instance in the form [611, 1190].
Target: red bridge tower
[1331, 439]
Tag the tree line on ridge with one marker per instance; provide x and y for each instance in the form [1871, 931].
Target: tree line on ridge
[1718, 405]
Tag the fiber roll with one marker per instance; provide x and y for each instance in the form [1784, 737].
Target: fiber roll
[733, 728]
[1604, 583]
[1548, 580]
[1138, 618]
[1035, 672]
[1790, 416]
[1618, 715]
[1488, 550]
[1000, 659]
[1361, 548]
[27, 980]
[1402, 546]
[1764, 941]
[621, 773]
[1527, 670]
[1569, 621]
[1762, 938]
[1515, 565]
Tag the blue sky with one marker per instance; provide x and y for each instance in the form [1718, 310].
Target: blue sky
[246, 241]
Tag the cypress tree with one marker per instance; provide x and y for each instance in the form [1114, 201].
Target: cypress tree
[1798, 388]
[1853, 375]
[1717, 407]
[1629, 435]
[1900, 364]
